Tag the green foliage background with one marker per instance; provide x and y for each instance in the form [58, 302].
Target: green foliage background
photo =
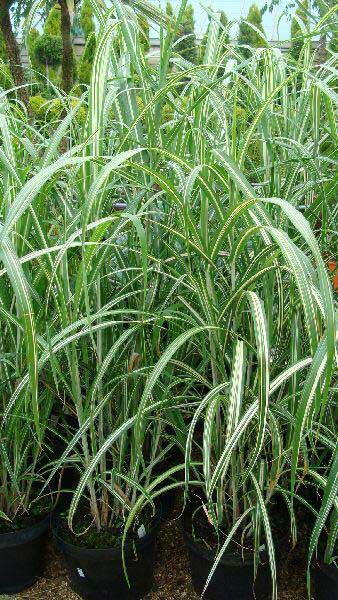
[248, 36]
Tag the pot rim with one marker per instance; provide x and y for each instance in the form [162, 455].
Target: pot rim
[112, 550]
[228, 558]
[330, 571]
[21, 536]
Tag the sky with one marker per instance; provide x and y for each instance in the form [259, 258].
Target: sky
[276, 25]
[235, 9]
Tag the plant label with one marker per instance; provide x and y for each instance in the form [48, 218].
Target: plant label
[141, 531]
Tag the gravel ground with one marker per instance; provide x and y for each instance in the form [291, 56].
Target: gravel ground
[172, 580]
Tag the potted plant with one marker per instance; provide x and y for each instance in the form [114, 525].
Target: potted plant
[207, 274]
[105, 364]
[26, 393]
[92, 293]
[112, 478]
[24, 513]
[322, 555]
[325, 571]
[227, 523]
[245, 442]
[25, 409]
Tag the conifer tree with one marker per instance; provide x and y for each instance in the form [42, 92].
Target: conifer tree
[223, 31]
[87, 18]
[88, 28]
[296, 31]
[51, 49]
[247, 35]
[185, 36]
[53, 21]
[144, 32]
[45, 50]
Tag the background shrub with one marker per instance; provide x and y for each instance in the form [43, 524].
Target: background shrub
[48, 50]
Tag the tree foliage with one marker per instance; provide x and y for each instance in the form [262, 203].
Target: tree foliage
[144, 32]
[48, 49]
[32, 38]
[321, 5]
[88, 28]
[45, 50]
[86, 61]
[296, 30]
[12, 51]
[87, 18]
[6, 80]
[247, 36]
[53, 21]
[185, 37]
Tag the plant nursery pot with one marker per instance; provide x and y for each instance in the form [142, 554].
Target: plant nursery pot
[167, 505]
[97, 574]
[325, 579]
[22, 557]
[232, 579]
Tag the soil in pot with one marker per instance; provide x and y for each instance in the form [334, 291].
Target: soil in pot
[94, 560]
[22, 552]
[325, 579]
[234, 575]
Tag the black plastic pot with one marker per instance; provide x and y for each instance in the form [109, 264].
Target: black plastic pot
[325, 579]
[97, 574]
[232, 579]
[167, 504]
[22, 557]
